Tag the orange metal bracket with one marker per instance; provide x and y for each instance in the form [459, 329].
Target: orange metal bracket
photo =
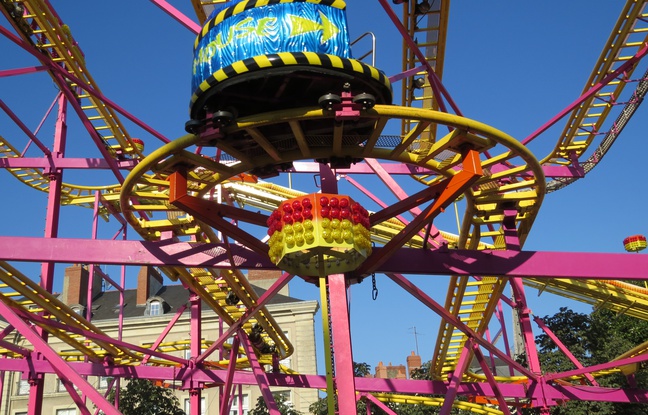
[213, 213]
[449, 190]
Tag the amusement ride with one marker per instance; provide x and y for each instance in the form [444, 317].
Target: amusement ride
[278, 91]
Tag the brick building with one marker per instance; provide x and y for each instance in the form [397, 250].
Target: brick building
[398, 371]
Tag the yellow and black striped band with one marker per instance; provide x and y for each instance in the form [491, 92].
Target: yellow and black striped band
[283, 59]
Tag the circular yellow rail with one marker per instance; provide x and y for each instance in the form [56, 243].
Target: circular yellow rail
[523, 189]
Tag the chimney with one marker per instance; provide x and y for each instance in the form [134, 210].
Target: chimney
[265, 278]
[413, 363]
[149, 282]
[381, 371]
[75, 285]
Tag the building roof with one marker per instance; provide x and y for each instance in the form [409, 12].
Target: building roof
[106, 305]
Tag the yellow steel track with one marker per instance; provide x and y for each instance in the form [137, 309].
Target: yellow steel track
[40, 26]
[486, 208]
[20, 292]
[35, 178]
[429, 31]
[474, 301]
[585, 122]
[146, 188]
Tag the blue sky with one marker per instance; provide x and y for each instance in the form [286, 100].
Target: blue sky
[512, 65]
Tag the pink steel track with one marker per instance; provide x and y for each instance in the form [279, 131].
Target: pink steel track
[216, 231]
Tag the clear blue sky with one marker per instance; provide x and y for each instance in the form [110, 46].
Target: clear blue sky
[512, 65]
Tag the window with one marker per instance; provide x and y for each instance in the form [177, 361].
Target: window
[104, 381]
[155, 308]
[287, 361]
[60, 387]
[23, 387]
[234, 409]
[78, 309]
[67, 411]
[203, 406]
[285, 397]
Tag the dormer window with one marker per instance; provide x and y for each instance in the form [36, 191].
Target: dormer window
[155, 306]
[78, 309]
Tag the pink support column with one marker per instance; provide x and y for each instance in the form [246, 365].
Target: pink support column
[490, 355]
[395, 188]
[61, 367]
[344, 380]
[166, 331]
[455, 378]
[564, 349]
[339, 314]
[525, 325]
[259, 374]
[120, 324]
[491, 380]
[51, 231]
[91, 277]
[371, 399]
[196, 343]
[226, 396]
[527, 335]
[91, 268]
[328, 179]
[233, 328]
[499, 314]
[2, 385]
[511, 238]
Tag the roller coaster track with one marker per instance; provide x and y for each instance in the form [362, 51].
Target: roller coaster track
[21, 293]
[211, 285]
[39, 25]
[585, 122]
[35, 178]
[59, 320]
[475, 307]
[488, 208]
[501, 201]
[428, 29]
[610, 136]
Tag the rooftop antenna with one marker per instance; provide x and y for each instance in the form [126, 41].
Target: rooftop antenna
[416, 333]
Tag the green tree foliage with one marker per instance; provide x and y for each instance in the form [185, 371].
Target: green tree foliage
[142, 397]
[282, 405]
[595, 338]
[361, 370]
[320, 407]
